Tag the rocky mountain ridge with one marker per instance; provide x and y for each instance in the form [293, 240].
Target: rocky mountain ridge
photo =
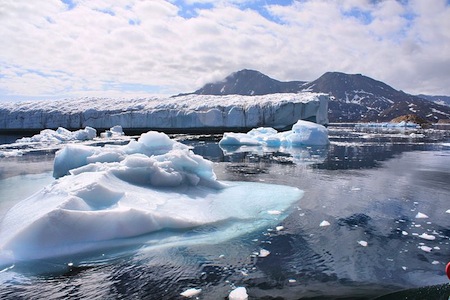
[354, 97]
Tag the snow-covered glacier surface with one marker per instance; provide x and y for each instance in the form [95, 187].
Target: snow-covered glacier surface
[154, 192]
[184, 112]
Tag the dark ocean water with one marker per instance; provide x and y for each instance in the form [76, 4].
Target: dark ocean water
[369, 186]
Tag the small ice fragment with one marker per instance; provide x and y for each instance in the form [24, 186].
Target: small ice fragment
[239, 293]
[301, 215]
[274, 212]
[448, 211]
[263, 253]
[191, 292]
[292, 281]
[426, 248]
[221, 256]
[427, 236]
[404, 268]
[421, 216]
[70, 264]
[324, 223]
[436, 248]
[363, 243]
[279, 228]
[404, 232]
[417, 225]
[356, 189]
[435, 262]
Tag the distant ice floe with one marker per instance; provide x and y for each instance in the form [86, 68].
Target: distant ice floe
[51, 140]
[153, 192]
[401, 124]
[60, 135]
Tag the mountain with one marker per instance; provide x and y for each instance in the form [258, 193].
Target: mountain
[354, 97]
[249, 83]
[443, 100]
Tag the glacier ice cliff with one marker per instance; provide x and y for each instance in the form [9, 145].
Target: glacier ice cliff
[174, 113]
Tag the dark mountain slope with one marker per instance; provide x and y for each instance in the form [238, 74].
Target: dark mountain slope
[249, 82]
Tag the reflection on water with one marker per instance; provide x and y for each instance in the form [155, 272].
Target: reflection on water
[369, 186]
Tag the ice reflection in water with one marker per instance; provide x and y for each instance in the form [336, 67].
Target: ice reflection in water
[368, 188]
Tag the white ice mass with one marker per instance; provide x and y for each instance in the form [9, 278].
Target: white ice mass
[303, 133]
[60, 135]
[191, 111]
[153, 191]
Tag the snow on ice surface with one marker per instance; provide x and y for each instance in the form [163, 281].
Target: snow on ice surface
[303, 133]
[152, 191]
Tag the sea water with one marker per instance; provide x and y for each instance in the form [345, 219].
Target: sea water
[374, 219]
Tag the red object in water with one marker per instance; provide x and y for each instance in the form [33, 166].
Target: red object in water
[447, 270]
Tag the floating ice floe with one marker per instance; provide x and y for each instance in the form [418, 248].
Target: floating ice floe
[60, 135]
[401, 124]
[303, 133]
[191, 292]
[114, 131]
[426, 236]
[153, 192]
[306, 143]
[425, 248]
[420, 215]
[264, 253]
[239, 293]
[363, 243]
[324, 223]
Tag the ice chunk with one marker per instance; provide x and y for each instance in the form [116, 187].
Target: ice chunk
[113, 196]
[239, 293]
[421, 216]
[448, 211]
[191, 292]
[263, 253]
[324, 223]
[115, 131]
[302, 133]
[60, 135]
[363, 243]
[425, 248]
[427, 236]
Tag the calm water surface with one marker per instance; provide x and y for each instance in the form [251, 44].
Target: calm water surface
[368, 185]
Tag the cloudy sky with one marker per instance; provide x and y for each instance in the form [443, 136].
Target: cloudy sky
[127, 48]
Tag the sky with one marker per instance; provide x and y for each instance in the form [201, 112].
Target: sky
[57, 49]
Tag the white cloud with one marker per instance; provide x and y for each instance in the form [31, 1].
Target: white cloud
[105, 45]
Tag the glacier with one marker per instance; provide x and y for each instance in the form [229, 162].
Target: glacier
[192, 112]
[153, 191]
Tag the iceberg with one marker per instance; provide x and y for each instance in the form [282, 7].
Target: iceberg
[153, 191]
[303, 133]
[60, 135]
[306, 143]
[195, 112]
